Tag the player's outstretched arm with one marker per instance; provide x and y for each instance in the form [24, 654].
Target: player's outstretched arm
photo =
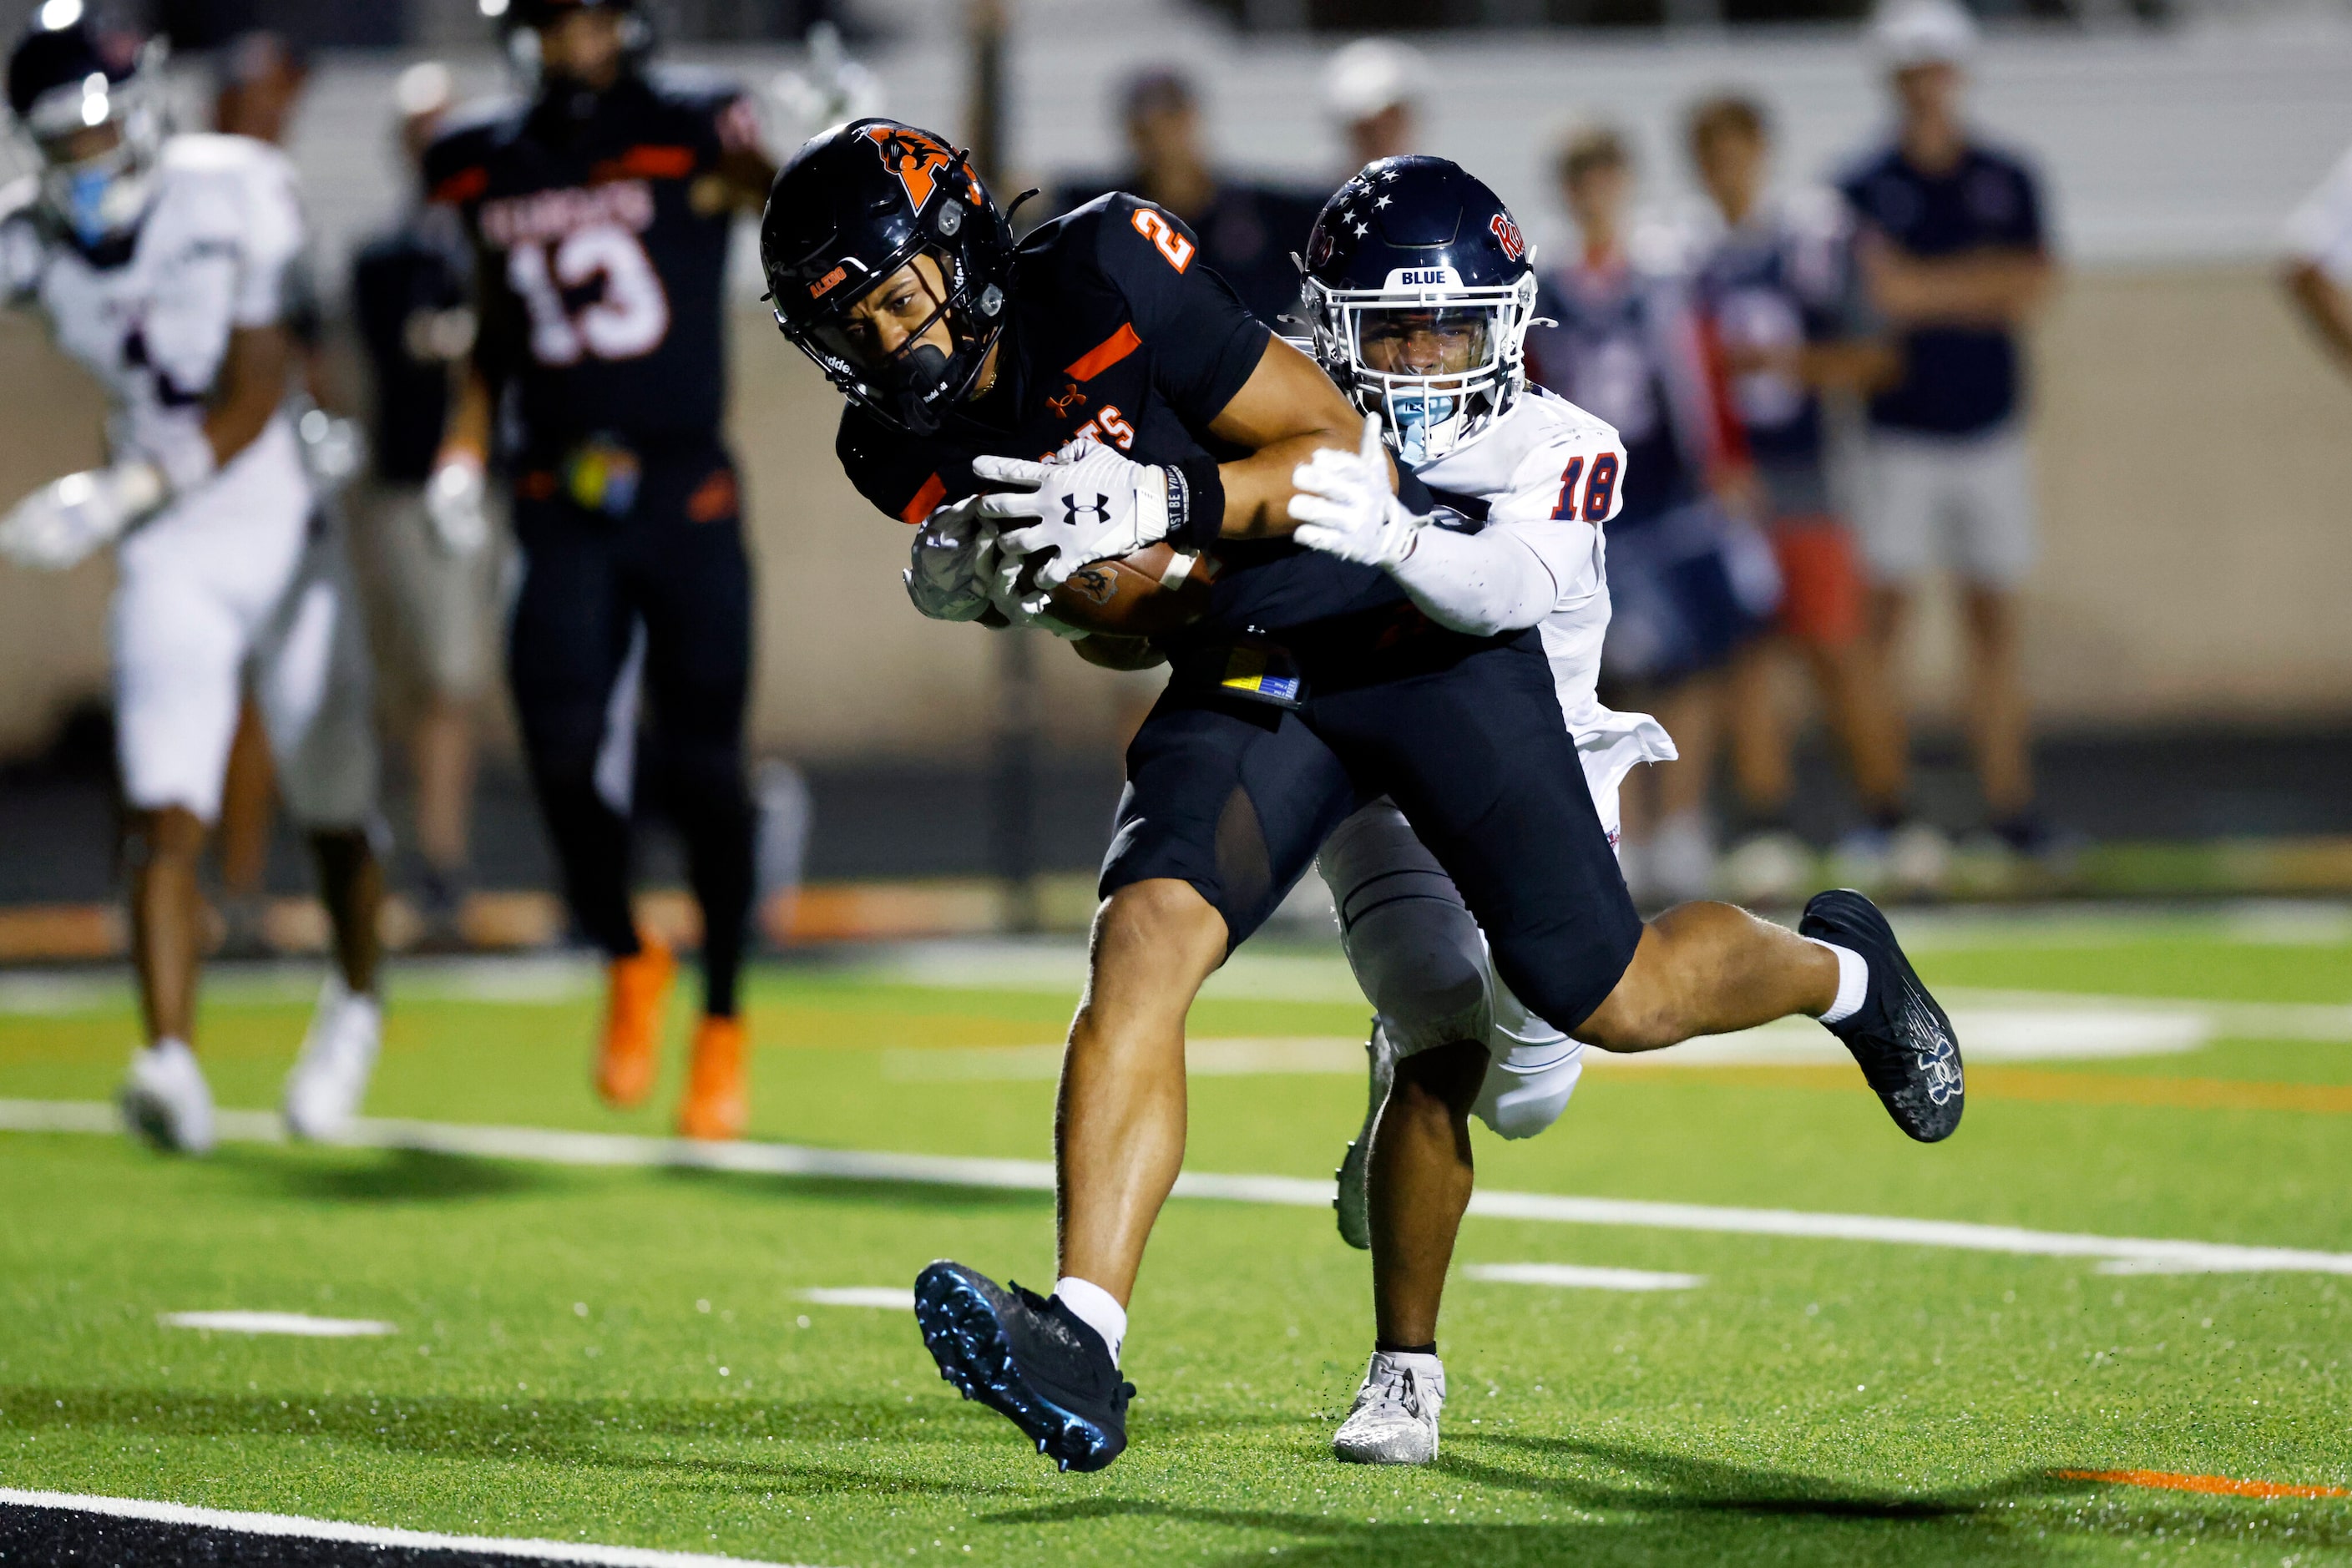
[1285, 412]
[64, 521]
[1503, 578]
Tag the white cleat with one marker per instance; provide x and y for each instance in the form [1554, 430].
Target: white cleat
[1395, 1421]
[330, 1079]
[1353, 1203]
[165, 1100]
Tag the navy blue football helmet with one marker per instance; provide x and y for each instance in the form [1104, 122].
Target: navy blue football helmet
[1421, 289]
[83, 92]
[852, 208]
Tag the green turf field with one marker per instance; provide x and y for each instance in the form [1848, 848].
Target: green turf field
[623, 1355]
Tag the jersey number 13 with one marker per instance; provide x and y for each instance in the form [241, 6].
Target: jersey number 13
[630, 317]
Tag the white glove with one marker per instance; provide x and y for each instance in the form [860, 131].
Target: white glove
[1084, 503]
[1025, 608]
[455, 503]
[63, 521]
[1345, 508]
[950, 570]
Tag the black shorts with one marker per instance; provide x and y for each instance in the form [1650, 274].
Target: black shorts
[1235, 797]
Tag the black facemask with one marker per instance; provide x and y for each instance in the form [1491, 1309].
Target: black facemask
[916, 377]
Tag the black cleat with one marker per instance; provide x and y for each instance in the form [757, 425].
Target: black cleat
[1902, 1039]
[1031, 1360]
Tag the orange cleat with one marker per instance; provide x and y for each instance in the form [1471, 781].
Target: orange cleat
[630, 1054]
[716, 1105]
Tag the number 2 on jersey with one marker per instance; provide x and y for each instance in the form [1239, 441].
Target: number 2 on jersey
[630, 320]
[1599, 489]
[1162, 234]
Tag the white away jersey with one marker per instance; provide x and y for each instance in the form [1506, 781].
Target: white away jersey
[210, 256]
[1551, 475]
[1546, 463]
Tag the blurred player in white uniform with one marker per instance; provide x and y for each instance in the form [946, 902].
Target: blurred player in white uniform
[2318, 272]
[161, 265]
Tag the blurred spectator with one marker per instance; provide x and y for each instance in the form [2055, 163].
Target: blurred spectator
[1373, 88]
[1690, 582]
[1247, 232]
[1952, 248]
[1781, 297]
[410, 287]
[2319, 261]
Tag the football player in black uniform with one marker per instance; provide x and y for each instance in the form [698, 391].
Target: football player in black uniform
[1096, 391]
[600, 210]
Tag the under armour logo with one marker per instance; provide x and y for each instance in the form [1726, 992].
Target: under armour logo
[1099, 512]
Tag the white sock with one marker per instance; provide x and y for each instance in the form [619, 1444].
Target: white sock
[1095, 1308]
[1853, 982]
[167, 1048]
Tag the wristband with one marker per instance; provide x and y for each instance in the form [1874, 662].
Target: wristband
[1196, 504]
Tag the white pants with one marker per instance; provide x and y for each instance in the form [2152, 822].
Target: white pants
[1424, 965]
[236, 587]
[1964, 501]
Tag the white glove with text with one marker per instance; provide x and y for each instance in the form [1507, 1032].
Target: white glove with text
[1084, 503]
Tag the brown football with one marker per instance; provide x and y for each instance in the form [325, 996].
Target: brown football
[1153, 590]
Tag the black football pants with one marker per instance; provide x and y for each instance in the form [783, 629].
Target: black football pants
[649, 610]
[1235, 798]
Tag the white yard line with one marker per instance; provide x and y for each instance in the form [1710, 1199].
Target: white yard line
[302, 1325]
[895, 1297]
[1575, 1277]
[297, 1527]
[2123, 1255]
[2009, 1030]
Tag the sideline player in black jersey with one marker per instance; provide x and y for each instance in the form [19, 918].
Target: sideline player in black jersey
[1164, 411]
[599, 211]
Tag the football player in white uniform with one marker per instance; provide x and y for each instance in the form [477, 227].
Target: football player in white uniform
[161, 265]
[1421, 293]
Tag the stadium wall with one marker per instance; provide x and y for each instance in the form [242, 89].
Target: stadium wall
[2193, 457]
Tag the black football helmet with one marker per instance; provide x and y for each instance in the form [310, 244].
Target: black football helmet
[850, 209]
[71, 74]
[1421, 289]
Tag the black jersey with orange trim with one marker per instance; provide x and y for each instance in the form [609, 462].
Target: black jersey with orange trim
[600, 234]
[1119, 332]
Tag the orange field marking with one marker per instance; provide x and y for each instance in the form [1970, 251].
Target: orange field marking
[2223, 1486]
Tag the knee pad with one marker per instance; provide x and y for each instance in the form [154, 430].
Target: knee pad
[1423, 962]
[1415, 950]
[1526, 1087]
